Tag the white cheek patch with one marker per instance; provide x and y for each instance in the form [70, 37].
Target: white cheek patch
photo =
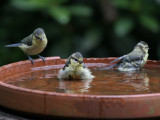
[74, 63]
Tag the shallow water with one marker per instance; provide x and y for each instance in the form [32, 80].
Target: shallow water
[106, 82]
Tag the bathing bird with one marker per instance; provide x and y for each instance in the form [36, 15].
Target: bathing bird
[134, 60]
[34, 44]
[75, 68]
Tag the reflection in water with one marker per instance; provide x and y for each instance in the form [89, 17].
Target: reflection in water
[137, 79]
[74, 86]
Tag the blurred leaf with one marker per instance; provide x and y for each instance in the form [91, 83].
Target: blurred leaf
[61, 14]
[80, 10]
[150, 23]
[121, 3]
[59, 1]
[158, 1]
[136, 5]
[30, 4]
[123, 26]
[36, 4]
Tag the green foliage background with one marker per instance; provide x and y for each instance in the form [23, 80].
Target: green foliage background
[96, 28]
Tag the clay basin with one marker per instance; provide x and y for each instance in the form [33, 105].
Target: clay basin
[111, 94]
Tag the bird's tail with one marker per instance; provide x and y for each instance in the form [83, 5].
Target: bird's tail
[111, 66]
[118, 58]
[14, 45]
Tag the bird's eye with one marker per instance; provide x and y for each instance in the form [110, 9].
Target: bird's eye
[37, 36]
[76, 60]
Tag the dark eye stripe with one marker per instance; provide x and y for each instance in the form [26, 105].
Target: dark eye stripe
[36, 36]
[75, 59]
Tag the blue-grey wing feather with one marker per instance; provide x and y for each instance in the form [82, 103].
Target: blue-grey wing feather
[28, 40]
[134, 57]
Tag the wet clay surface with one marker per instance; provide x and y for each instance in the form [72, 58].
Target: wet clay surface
[106, 82]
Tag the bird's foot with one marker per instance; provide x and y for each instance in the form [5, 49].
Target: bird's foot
[32, 61]
[43, 58]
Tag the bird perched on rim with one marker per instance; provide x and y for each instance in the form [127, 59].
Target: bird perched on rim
[34, 44]
[75, 68]
[134, 60]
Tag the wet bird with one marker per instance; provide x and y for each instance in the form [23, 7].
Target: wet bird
[34, 44]
[75, 68]
[134, 60]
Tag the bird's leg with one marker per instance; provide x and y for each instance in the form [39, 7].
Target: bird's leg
[32, 61]
[43, 58]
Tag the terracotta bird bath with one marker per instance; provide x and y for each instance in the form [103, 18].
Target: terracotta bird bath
[111, 94]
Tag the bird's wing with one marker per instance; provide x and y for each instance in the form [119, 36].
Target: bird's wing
[134, 57]
[67, 63]
[65, 66]
[118, 58]
[28, 40]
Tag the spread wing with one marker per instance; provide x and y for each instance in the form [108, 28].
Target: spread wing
[28, 40]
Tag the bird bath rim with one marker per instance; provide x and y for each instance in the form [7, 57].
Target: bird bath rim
[66, 94]
[82, 106]
[71, 95]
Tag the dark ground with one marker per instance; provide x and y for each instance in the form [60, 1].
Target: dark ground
[7, 114]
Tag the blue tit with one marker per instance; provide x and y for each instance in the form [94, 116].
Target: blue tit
[75, 68]
[134, 60]
[34, 44]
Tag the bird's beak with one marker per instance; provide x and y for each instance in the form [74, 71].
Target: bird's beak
[42, 39]
[147, 47]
